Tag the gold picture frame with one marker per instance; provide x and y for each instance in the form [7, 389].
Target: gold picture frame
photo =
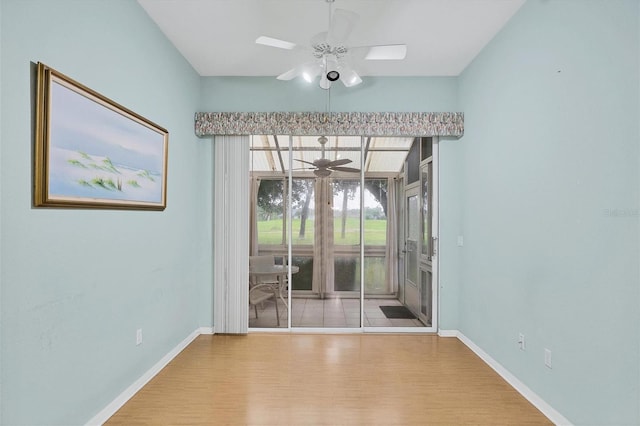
[91, 152]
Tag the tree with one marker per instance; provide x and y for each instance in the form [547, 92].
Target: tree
[378, 188]
[271, 198]
[302, 192]
[348, 189]
[272, 193]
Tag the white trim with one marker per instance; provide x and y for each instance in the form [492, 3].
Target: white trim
[326, 330]
[448, 333]
[206, 330]
[128, 393]
[546, 409]
[403, 330]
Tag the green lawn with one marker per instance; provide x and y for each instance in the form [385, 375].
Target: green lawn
[375, 232]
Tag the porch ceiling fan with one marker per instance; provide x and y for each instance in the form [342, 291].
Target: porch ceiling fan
[331, 52]
[324, 166]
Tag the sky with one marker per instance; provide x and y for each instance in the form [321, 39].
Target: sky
[82, 124]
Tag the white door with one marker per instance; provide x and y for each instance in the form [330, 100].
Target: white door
[412, 249]
[421, 239]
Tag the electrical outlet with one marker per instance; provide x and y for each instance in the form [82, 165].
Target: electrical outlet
[547, 357]
[138, 336]
[460, 241]
[521, 343]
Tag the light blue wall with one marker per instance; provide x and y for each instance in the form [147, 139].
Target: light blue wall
[543, 187]
[76, 284]
[393, 94]
[1, 395]
[550, 195]
[381, 94]
[450, 225]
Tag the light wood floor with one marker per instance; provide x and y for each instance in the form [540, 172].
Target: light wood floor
[296, 379]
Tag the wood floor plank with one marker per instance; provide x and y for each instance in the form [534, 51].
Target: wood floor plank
[296, 379]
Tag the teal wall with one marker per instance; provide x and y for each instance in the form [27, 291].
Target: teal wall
[375, 94]
[76, 284]
[550, 195]
[1, 125]
[543, 187]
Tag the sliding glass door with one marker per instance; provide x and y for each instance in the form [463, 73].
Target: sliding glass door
[324, 210]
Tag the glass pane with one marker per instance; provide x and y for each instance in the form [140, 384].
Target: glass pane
[346, 212]
[303, 205]
[412, 239]
[426, 296]
[302, 280]
[426, 210]
[375, 275]
[413, 163]
[375, 237]
[375, 212]
[427, 147]
[347, 274]
[270, 212]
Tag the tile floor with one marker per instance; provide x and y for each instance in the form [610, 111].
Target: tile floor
[342, 313]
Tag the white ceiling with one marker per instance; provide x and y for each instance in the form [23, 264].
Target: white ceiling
[218, 36]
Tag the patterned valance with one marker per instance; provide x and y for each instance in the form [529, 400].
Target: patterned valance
[335, 123]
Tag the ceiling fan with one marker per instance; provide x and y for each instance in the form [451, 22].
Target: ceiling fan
[331, 52]
[324, 166]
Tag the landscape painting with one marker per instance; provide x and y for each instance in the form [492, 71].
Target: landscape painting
[91, 152]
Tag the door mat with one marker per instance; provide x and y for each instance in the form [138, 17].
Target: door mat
[396, 312]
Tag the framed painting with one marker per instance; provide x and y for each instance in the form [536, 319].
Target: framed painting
[91, 152]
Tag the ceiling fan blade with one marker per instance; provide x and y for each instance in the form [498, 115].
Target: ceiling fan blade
[387, 52]
[309, 71]
[289, 75]
[339, 162]
[275, 42]
[345, 169]
[307, 162]
[342, 23]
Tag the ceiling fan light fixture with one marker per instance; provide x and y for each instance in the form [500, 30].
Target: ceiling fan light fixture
[331, 68]
[350, 78]
[325, 83]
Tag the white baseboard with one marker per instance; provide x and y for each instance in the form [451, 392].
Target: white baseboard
[551, 413]
[448, 333]
[128, 393]
[206, 330]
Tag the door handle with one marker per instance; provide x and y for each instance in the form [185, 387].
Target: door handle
[434, 246]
